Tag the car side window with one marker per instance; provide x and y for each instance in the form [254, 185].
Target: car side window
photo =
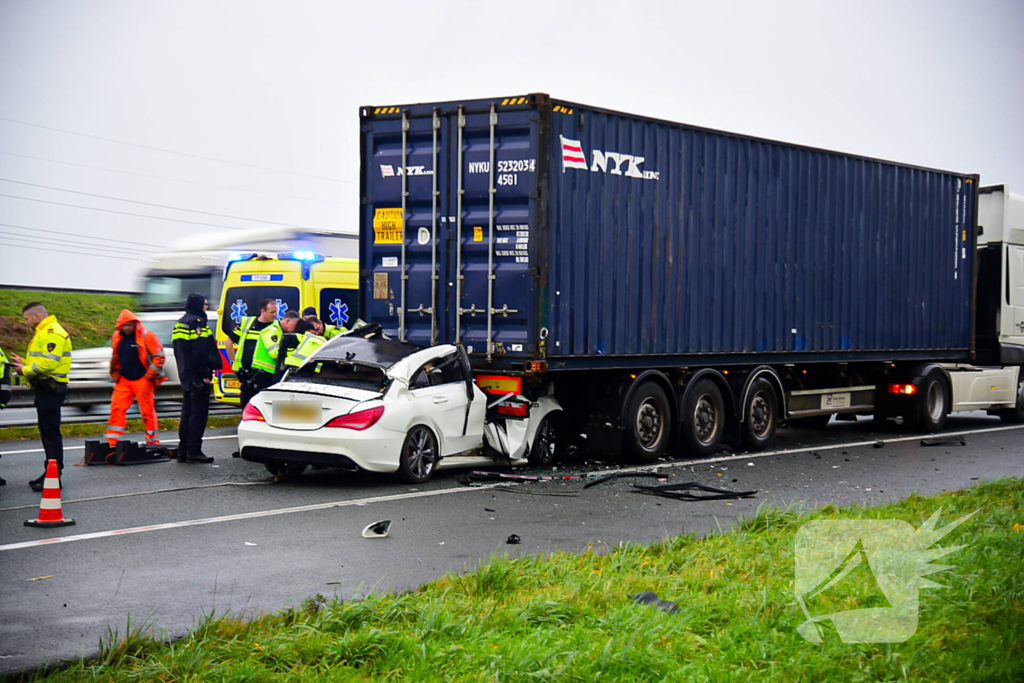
[437, 372]
[419, 380]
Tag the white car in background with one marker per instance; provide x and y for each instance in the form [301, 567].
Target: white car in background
[380, 405]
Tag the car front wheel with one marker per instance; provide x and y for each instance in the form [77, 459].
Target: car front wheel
[419, 455]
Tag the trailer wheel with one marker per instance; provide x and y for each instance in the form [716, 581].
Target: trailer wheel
[933, 406]
[1015, 414]
[760, 415]
[703, 418]
[648, 423]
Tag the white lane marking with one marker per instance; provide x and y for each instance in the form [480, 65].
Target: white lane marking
[406, 496]
[76, 448]
[242, 516]
[148, 493]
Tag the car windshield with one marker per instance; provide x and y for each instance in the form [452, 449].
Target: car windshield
[162, 329]
[341, 374]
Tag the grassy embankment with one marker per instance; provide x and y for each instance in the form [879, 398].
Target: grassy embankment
[88, 318]
[568, 616]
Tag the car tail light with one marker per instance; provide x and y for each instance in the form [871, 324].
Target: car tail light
[251, 412]
[905, 389]
[514, 409]
[364, 419]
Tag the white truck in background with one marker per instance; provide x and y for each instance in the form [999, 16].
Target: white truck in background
[195, 264]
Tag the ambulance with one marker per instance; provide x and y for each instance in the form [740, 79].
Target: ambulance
[295, 280]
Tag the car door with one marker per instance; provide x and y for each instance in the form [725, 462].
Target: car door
[438, 389]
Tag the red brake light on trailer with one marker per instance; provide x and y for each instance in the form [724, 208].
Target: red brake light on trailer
[905, 389]
[252, 413]
[364, 419]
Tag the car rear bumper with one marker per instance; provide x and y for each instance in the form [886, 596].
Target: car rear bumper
[373, 450]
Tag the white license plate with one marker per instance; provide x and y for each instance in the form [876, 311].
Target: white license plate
[297, 412]
[835, 400]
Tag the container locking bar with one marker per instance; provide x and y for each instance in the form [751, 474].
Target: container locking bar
[436, 124]
[490, 240]
[405, 218]
[459, 277]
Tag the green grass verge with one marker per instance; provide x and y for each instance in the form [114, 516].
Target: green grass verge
[166, 425]
[88, 318]
[568, 617]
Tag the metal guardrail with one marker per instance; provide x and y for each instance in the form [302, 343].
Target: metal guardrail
[87, 394]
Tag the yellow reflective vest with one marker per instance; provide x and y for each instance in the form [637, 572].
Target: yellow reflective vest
[306, 348]
[5, 380]
[332, 331]
[265, 356]
[49, 352]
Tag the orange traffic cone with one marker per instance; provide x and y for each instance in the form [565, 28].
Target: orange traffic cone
[50, 513]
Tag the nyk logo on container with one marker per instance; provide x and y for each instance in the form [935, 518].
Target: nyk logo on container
[388, 171]
[609, 162]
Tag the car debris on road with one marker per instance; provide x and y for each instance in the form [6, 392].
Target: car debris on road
[682, 492]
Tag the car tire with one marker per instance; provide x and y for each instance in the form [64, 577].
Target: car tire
[1015, 415]
[760, 415]
[547, 446]
[703, 418]
[419, 456]
[285, 470]
[933, 406]
[648, 423]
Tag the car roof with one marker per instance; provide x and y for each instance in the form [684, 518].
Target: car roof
[382, 353]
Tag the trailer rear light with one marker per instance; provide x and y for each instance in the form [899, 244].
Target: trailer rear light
[364, 419]
[252, 413]
[499, 384]
[905, 389]
[514, 409]
[536, 366]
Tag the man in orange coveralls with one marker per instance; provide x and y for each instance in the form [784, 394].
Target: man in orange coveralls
[137, 368]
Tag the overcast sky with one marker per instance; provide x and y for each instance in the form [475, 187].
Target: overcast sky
[249, 110]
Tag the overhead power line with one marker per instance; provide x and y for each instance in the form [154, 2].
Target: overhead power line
[126, 213]
[179, 180]
[65, 251]
[64, 241]
[173, 151]
[158, 206]
[77, 234]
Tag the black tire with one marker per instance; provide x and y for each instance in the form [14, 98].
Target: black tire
[813, 422]
[760, 415]
[933, 405]
[285, 470]
[703, 418]
[1016, 414]
[547, 442]
[648, 427]
[419, 456]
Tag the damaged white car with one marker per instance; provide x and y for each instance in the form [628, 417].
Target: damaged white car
[380, 405]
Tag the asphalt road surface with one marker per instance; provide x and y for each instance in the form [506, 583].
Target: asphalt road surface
[167, 543]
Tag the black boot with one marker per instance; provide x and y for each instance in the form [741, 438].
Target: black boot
[201, 457]
[37, 483]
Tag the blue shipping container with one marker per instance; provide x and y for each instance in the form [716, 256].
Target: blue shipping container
[532, 229]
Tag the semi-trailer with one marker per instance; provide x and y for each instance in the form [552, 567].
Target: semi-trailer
[672, 285]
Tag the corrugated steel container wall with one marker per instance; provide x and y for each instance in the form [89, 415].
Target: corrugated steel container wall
[655, 242]
[720, 244]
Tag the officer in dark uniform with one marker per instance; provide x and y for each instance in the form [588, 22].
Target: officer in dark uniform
[195, 352]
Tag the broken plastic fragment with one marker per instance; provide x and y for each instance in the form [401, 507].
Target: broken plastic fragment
[650, 598]
[377, 529]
